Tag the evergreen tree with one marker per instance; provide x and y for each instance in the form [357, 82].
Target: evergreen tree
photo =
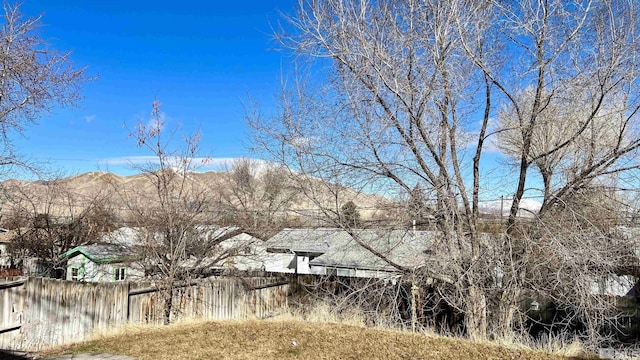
[417, 205]
[350, 216]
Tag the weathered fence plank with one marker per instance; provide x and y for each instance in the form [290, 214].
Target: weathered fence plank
[37, 312]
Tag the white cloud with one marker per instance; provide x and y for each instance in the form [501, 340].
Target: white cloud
[469, 137]
[491, 142]
[304, 142]
[157, 124]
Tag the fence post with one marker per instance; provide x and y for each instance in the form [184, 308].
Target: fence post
[128, 301]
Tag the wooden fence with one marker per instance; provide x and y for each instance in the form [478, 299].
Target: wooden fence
[39, 312]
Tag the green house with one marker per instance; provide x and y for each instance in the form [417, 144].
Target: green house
[101, 263]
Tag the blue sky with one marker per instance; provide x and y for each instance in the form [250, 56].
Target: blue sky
[201, 59]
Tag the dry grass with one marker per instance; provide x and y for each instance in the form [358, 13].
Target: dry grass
[558, 345]
[264, 340]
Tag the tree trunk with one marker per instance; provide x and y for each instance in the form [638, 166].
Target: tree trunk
[168, 304]
[476, 314]
[414, 311]
[504, 321]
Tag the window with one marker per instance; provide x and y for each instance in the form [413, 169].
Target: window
[120, 274]
[74, 274]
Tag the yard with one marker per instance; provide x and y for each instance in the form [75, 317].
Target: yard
[274, 340]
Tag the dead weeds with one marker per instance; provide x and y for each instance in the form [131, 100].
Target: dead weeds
[289, 339]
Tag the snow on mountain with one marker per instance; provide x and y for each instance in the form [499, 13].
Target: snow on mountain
[527, 207]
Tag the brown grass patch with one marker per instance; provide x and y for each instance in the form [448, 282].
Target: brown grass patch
[273, 340]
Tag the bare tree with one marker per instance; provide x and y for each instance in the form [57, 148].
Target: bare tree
[176, 242]
[50, 219]
[256, 196]
[607, 133]
[409, 96]
[33, 77]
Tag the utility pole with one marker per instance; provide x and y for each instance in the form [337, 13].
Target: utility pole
[501, 206]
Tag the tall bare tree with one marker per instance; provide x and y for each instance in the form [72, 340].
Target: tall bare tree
[34, 78]
[408, 96]
[176, 241]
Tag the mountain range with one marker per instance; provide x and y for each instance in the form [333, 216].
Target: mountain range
[69, 196]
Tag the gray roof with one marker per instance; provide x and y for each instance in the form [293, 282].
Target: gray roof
[118, 245]
[214, 232]
[130, 236]
[125, 236]
[308, 240]
[405, 248]
[102, 253]
[337, 248]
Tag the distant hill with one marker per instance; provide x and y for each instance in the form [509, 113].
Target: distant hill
[68, 196]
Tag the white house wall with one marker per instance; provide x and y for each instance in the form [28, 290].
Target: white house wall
[90, 271]
[280, 263]
[5, 259]
[86, 268]
[614, 285]
[247, 263]
[318, 270]
[374, 274]
[303, 266]
[277, 262]
[252, 260]
[250, 252]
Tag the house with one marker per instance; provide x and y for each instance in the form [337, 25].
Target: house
[626, 282]
[8, 267]
[101, 263]
[116, 255]
[615, 285]
[233, 249]
[18, 263]
[112, 259]
[330, 251]
[246, 252]
[5, 240]
[291, 250]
